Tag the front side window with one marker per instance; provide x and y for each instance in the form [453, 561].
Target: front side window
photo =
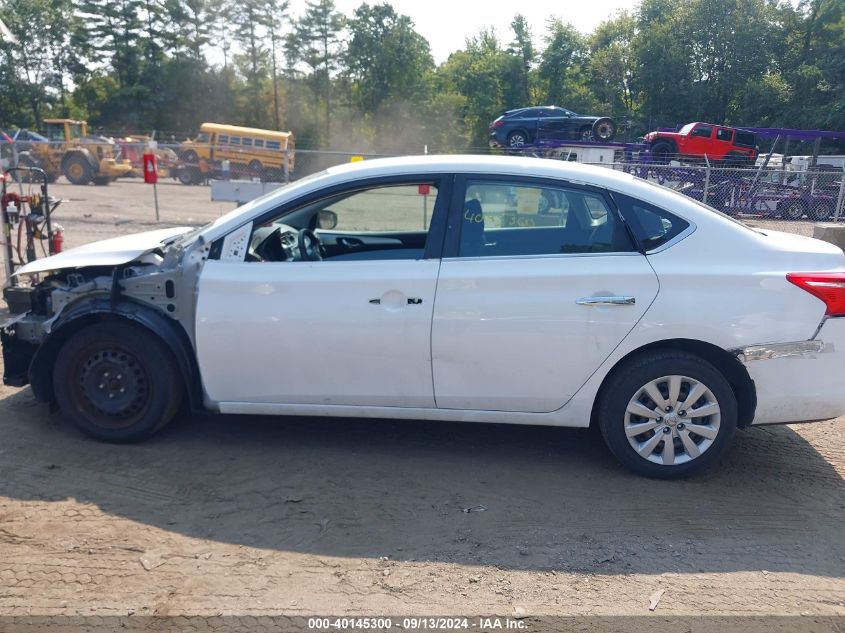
[703, 131]
[513, 219]
[652, 226]
[376, 223]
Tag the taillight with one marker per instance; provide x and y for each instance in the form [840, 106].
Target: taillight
[829, 287]
[496, 123]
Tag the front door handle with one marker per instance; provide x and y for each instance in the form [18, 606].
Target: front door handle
[606, 301]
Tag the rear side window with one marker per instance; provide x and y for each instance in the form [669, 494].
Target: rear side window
[652, 226]
[724, 135]
[514, 219]
[745, 138]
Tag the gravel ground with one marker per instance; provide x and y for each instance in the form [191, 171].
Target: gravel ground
[252, 515]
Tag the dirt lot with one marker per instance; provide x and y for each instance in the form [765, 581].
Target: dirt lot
[300, 516]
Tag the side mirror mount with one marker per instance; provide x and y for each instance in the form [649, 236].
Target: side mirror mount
[327, 219]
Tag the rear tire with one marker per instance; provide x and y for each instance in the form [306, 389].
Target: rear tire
[517, 139]
[117, 382]
[822, 210]
[697, 439]
[793, 210]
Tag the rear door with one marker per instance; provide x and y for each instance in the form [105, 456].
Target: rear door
[539, 283]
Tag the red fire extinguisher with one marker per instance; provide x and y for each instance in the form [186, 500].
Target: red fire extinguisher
[57, 240]
[150, 169]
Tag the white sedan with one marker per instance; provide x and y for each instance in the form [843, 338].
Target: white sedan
[495, 289]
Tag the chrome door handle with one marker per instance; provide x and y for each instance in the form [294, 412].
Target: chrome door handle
[606, 301]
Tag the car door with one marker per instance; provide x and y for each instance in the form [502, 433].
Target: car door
[539, 283]
[699, 143]
[553, 125]
[351, 329]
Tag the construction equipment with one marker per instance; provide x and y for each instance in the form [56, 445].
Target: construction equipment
[72, 152]
[26, 218]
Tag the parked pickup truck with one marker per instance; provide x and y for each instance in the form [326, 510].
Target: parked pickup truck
[697, 140]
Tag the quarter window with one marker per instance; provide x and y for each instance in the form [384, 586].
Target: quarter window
[651, 225]
[513, 219]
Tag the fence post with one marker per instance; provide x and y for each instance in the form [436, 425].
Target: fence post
[287, 164]
[841, 200]
[706, 179]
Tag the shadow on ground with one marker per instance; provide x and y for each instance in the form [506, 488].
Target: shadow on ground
[508, 496]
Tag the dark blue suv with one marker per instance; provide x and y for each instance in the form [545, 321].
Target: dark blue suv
[530, 126]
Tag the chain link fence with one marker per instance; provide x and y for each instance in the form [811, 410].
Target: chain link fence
[785, 197]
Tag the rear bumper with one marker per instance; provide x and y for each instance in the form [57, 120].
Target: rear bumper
[804, 384]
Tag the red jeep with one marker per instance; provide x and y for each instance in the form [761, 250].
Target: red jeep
[697, 140]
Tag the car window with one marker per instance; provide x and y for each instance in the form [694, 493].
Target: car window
[387, 222]
[402, 208]
[651, 225]
[745, 138]
[724, 134]
[703, 130]
[515, 218]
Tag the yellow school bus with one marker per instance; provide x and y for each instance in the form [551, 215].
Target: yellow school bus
[250, 152]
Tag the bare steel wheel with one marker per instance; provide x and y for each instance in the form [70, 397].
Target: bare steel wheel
[667, 413]
[672, 420]
[112, 385]
[117, 381]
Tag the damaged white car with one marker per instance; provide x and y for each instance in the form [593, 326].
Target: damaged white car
[497, 289]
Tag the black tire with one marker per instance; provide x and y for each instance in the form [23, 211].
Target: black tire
[518, 139]
[77, 169]
[821, 210]
[604, 130]
[189, 175]
[102, 181]
[735, 159]
[629, 379]
[792, 210]
[117, 382]
[190, 158]
[662, 152]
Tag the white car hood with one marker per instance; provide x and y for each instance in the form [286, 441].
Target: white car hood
[113, 252]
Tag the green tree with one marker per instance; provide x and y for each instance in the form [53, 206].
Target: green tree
[315, 43]
[387, 60]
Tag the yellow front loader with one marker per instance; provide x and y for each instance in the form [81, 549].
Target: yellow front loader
[71, 152]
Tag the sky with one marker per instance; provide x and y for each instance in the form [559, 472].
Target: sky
[446, 24]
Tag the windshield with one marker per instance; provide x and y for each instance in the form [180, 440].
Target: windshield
[687, 129]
